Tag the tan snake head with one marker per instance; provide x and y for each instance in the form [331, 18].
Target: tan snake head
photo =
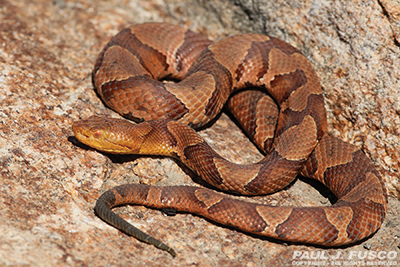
[118, 136]
[115, 136]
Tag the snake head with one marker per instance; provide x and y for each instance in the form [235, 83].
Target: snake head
[116, 136]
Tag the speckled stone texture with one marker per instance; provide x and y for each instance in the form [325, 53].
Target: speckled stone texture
[49, 183]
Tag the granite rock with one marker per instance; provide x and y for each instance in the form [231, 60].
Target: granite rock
[49, 182]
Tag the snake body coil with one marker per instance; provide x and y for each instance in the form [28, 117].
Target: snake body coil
[285, 116]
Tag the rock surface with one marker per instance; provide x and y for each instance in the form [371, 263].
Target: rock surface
[49, 183]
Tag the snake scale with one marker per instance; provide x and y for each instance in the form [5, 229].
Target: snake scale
[283, 113]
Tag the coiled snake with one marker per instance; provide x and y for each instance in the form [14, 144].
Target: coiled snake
[285, 117]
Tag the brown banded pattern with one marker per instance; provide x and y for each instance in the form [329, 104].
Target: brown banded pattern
[283, 114]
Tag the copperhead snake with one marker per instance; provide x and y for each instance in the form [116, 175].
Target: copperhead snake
[285, 117]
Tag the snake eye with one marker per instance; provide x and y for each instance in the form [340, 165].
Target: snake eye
[97, 134]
